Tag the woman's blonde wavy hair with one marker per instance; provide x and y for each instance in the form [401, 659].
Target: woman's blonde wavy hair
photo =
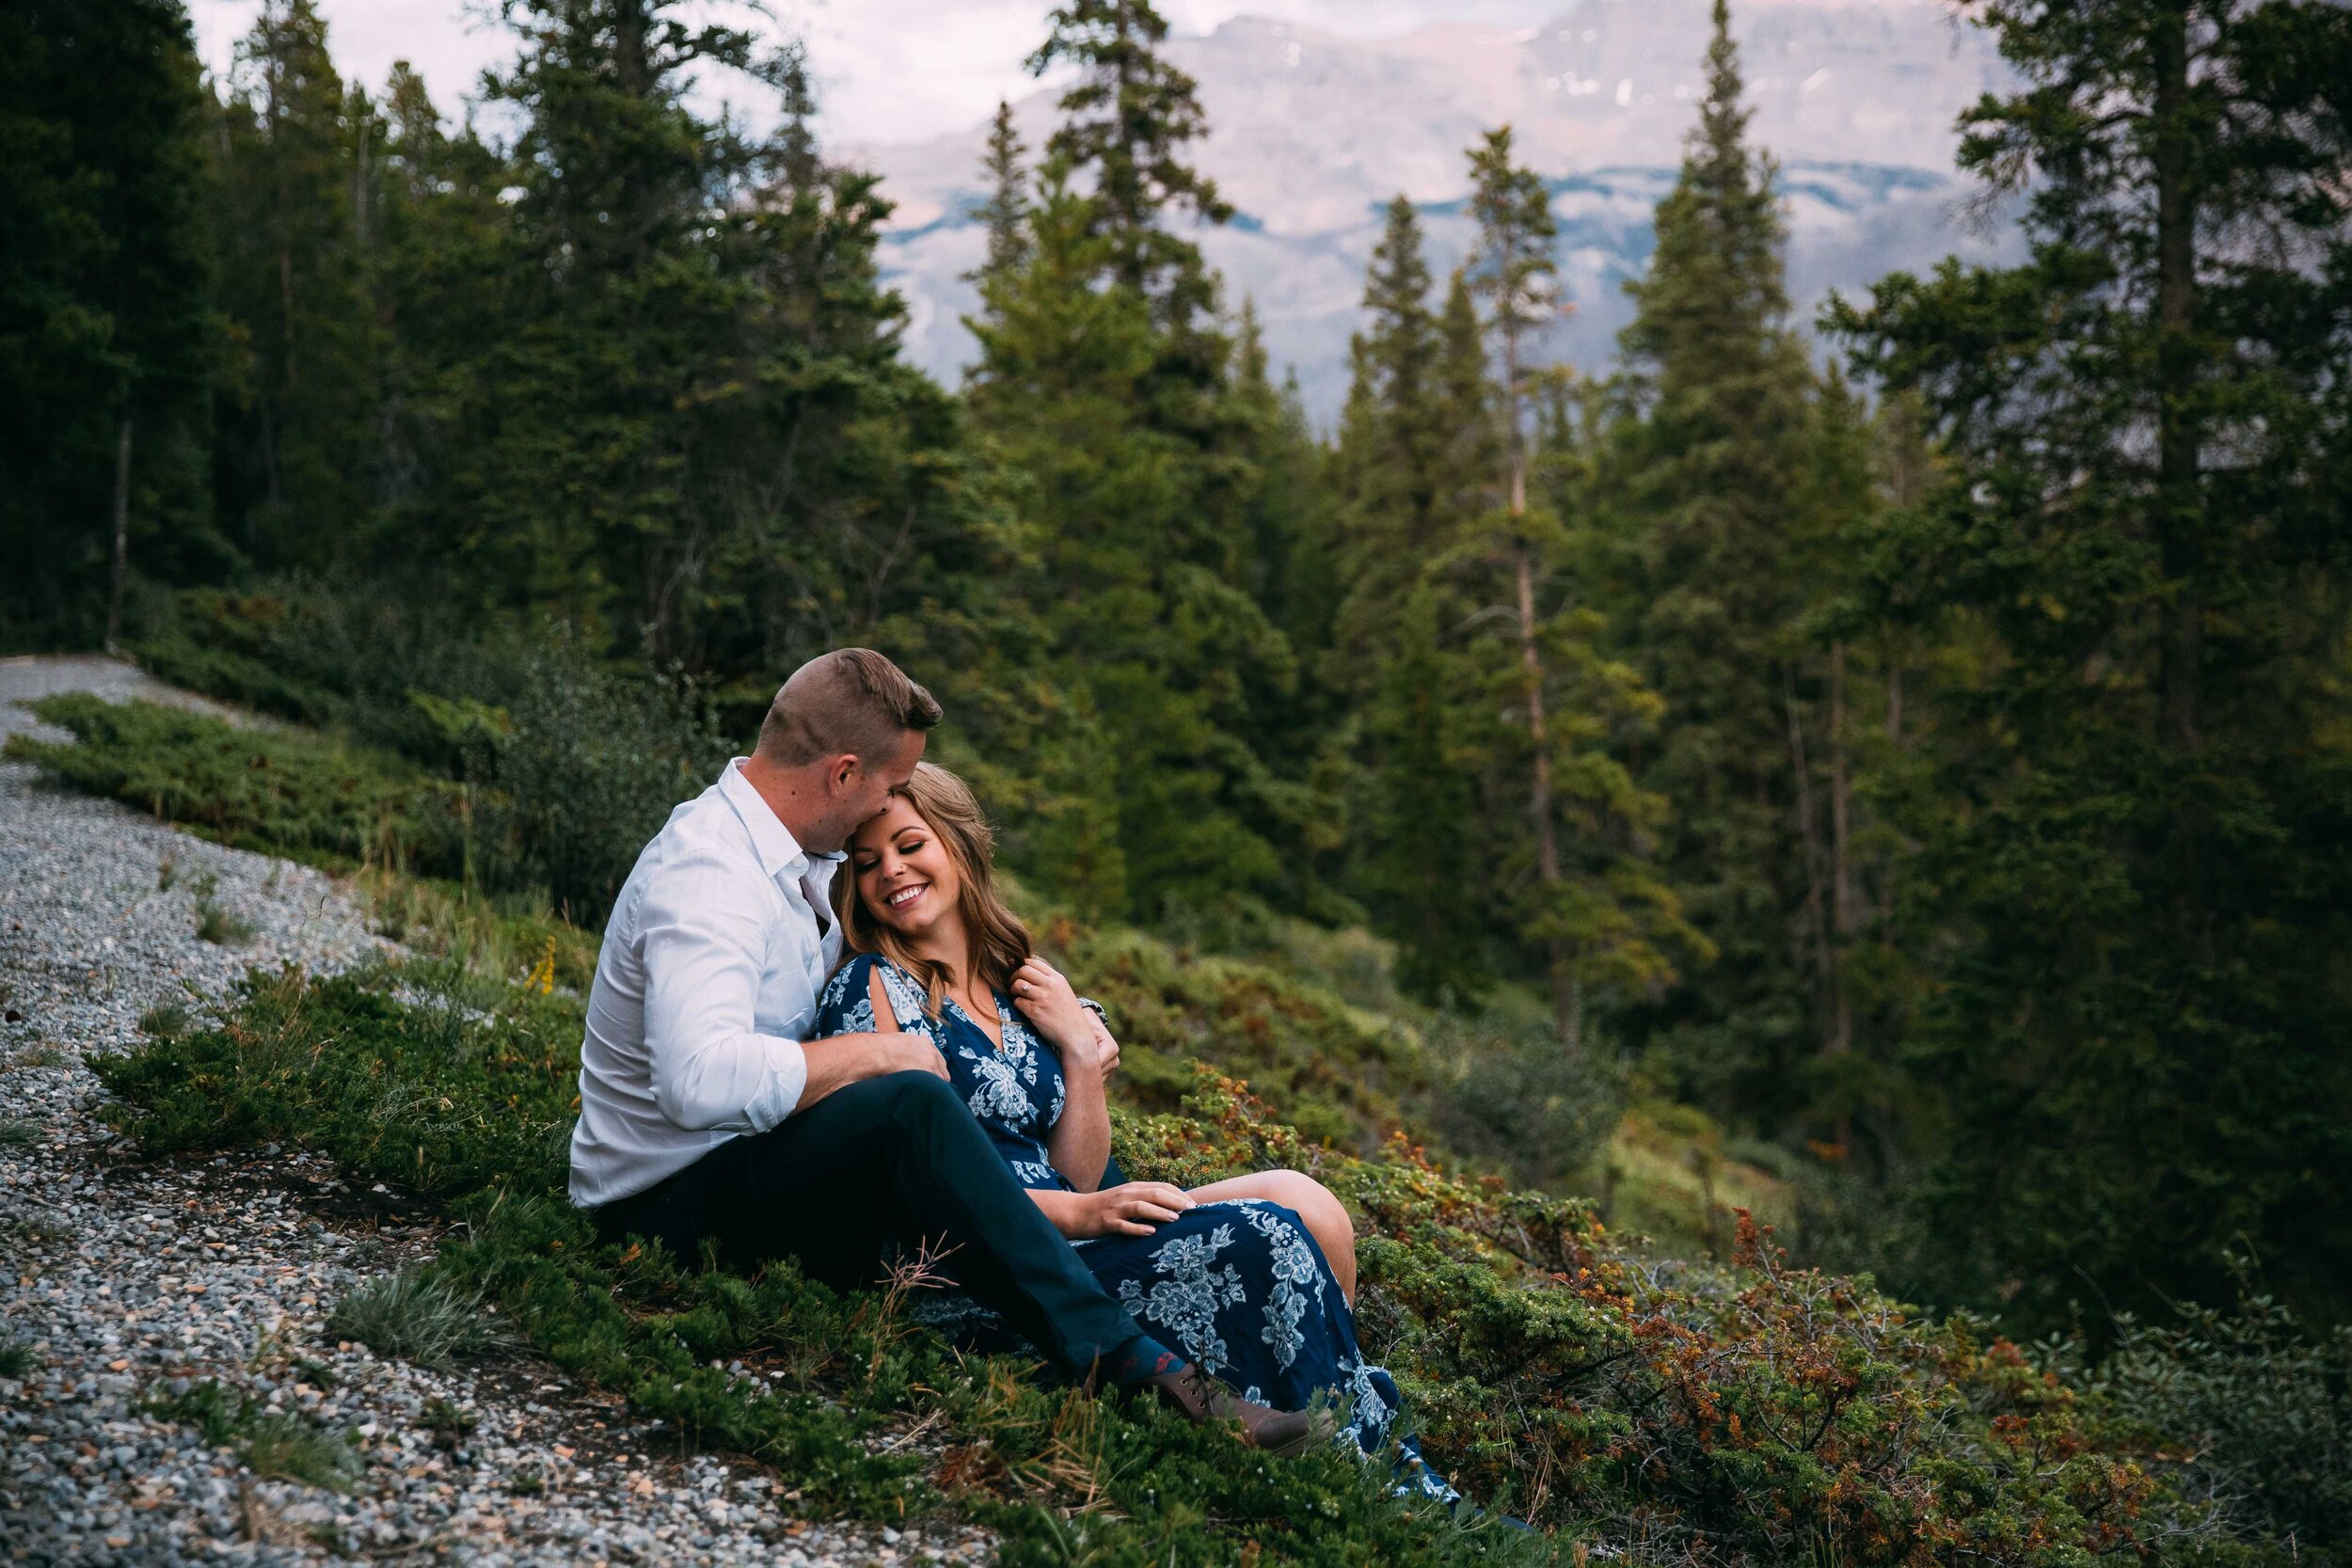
[1000, 943]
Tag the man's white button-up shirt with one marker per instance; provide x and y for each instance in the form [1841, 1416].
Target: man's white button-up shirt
[706, 985]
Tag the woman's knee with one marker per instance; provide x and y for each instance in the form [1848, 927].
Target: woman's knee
[1313, 1202]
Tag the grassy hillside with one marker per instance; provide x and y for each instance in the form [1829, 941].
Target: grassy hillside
[1742, 1412]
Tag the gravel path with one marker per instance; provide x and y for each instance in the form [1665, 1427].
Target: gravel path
[132, 1280]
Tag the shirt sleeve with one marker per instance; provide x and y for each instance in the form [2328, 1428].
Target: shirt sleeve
[704, 945]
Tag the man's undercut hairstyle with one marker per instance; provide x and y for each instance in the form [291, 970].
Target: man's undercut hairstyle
[852, 702]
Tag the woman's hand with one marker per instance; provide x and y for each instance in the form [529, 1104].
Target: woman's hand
[1105, 1047]
[1039, 991]
[1136, 1209]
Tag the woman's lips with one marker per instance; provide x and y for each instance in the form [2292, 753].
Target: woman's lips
[906, 895]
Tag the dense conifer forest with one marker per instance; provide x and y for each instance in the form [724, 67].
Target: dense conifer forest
[1916, 742]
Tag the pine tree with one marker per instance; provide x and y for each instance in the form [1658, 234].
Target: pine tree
[1145, 607]
[294, 465]
[1394, 449]
[1130, 117]
[105, 336]
[1007, 208]
[1515, 271]
[440, 263]
[1706, 477]
[2137, 776]
[698, 440]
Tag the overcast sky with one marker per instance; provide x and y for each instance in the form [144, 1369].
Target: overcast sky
[890, 69]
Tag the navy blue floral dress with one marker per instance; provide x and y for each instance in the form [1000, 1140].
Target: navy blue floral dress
[1239, 1286]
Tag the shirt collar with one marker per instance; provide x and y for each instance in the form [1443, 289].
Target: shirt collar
[780, 853]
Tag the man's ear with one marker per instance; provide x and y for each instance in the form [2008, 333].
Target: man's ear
[845, 771]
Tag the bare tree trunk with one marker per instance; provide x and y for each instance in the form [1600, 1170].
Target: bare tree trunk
[2177, 435]
[122, 535]
[1567, 996]
[359, 176]
[285, 312]
[1816, 899]
[1841, 889]
[2180, 507]
[1567, 1001]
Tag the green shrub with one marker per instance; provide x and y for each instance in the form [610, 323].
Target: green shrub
[287, 792]
[16, 1358]
[339, 659]
[578, 768]
[1511, 1098]
[1342, 1076]
[572, 764]
[2250, 1403]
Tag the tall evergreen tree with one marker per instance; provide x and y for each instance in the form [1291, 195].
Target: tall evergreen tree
[1394, 450]
[1706, 476]
[297, 430]
[1130, 116]
[693, 434]
[2131, 875]
[1145, 607]
[1007, 208]
[105, 337]
[1515, 271]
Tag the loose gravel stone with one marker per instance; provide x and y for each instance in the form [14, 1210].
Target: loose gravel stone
[134, 1280]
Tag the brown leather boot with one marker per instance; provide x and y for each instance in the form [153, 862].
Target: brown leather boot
[1202, 1398]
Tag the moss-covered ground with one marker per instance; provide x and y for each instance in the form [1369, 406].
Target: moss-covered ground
[1632, 1407]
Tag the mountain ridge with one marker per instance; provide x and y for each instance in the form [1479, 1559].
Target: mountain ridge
[1312, 132]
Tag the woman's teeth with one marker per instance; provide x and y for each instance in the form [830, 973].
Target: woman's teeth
[905, 896]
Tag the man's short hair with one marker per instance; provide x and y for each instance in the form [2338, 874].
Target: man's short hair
[850, 701]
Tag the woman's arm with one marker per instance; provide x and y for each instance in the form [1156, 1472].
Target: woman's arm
[1079, 1141]
[1137, 1208]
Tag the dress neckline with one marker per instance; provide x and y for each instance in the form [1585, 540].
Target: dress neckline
[996, 1042]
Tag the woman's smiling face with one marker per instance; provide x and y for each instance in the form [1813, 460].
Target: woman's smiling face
[905, 876]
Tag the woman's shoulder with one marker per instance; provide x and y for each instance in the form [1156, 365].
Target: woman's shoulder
[846, 1005]
[846, 992]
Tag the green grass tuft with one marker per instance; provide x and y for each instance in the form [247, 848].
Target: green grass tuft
[16, 1358]
[217, 925]
[166, 1020]
[270, 1443]
[18, 1133]
[413, 1317]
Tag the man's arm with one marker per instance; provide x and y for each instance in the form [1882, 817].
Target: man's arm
[705, 943]
[845, 1059]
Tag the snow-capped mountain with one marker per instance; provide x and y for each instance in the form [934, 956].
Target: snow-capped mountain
[1312, 134]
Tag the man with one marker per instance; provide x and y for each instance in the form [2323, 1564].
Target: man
[706, 1116]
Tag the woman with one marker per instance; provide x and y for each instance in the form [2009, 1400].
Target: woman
[1252, 1277]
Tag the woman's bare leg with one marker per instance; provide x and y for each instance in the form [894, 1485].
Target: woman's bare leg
[1326, 1216]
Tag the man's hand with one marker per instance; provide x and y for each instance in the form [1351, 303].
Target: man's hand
[845, 1059]
[903, 1052]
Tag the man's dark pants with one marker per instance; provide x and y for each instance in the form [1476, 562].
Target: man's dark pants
[887, 1159]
